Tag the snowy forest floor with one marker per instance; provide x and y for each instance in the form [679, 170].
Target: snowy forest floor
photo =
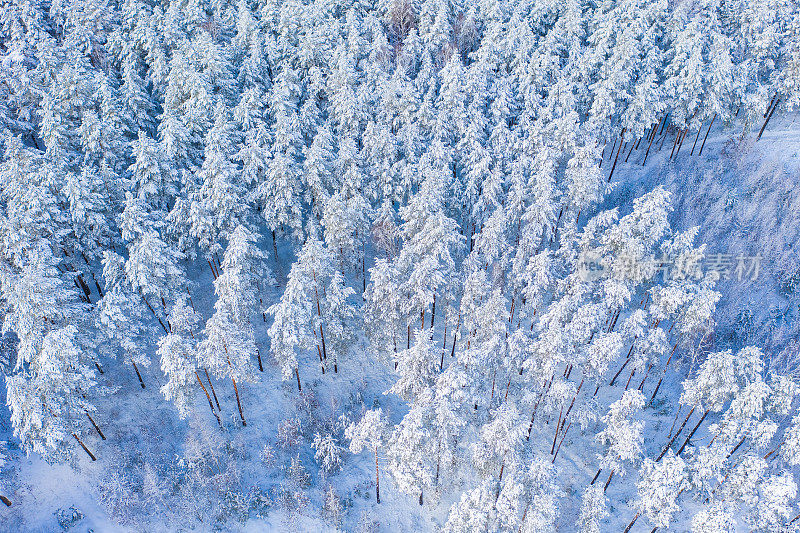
[742, 193]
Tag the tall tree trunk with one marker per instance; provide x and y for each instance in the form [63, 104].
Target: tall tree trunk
[211, 405]
[297, 375]
[706, 135]
[666, 366]
[617, 157]
[138, 375]
[700, 129]
[433, 311]
[558, 427]
[238, 402]
[683, 138]
[90, 454]
[213, 392]
[608, 481]
[563, 436]
[635, 518]
[275, 250]
[630, 151]
[258, 356]
[377, 478]
[674, 437]
[691, 433]
[761, 132]
[444, 347]
[95, 426]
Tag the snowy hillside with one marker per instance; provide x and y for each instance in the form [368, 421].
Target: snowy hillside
[440, 265]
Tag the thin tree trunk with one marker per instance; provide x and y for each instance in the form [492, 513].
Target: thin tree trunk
[605, 487]
[627, 360]
[275, 250]
[627, 383]
[545, 389]
[691, 433]
[138, 375]
[683, 138]
[444, 347]
[617, 156]
[563, 436]
[433, 311]
[635, 518]
[674, 437]
[700, 129]
[666, 366]
[84, 447]
[558, 427]
[377, 478]
[768, 117]
[238, 402]
[629, 152]
[211, 405]
[297, 375]
[769, 106]
[652, 138]
[324, 349]
[597, 475]
[95, 426]
[675, 143]
[258, 356]
[569, 409]
[213, 392]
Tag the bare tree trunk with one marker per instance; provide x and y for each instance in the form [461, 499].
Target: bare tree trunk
[213, 392]
[84, 447]
[5, 500]
[95, 426]
[691, 433]
[211, 405]
[258, 356]
[635, 518]
[683, 138]
[377, 478]
[558, 427]
[768, 117]
[706, 135]
[545, 389]
[617, 156]
[444, 347]
[652, 138]
[674, 437]
[700, 129]
[630, 151]
[666, 366]
[608, 481]
[138, 375]
[238, 402]
[297, 375]
[433, 311]
[563, 436]
[275, 250]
